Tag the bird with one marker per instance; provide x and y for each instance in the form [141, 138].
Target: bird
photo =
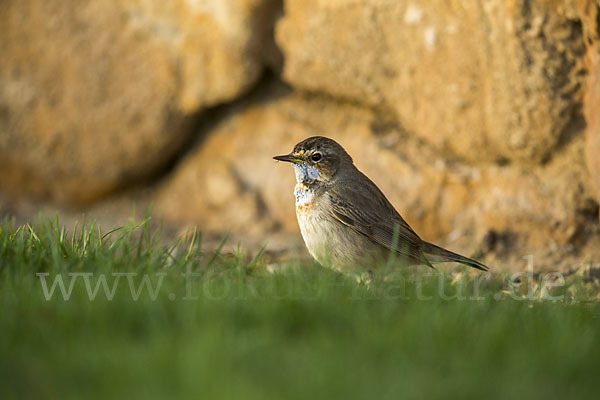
[346, 221]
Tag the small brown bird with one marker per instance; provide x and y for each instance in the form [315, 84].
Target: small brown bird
[346, 221]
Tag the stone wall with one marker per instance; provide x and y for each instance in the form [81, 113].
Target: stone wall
[590, 16]
[479, 119]
[96, 95]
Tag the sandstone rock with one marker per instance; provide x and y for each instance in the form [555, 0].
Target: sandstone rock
[497, 80]
[590, 16]
[231, 181]
[95, 94]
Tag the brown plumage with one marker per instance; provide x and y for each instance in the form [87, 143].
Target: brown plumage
[345, 220]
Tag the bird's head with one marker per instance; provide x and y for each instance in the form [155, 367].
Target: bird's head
[316, 159]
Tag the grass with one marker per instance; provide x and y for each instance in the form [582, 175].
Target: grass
[235, 330]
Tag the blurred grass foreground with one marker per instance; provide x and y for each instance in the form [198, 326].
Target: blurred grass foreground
[91, 314]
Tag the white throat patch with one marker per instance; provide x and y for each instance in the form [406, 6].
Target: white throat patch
[305, 172]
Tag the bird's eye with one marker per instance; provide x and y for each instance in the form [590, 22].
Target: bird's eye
[316, 157]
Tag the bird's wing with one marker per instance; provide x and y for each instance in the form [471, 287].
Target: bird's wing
[367, 211]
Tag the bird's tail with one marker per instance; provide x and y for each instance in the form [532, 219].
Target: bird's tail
[442, 255]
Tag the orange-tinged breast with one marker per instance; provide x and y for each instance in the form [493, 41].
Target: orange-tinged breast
[304, 198]
[303, 208]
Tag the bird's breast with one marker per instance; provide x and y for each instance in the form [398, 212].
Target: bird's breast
[304, 198]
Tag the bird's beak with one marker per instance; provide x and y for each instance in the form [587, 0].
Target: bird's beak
[287, 158]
